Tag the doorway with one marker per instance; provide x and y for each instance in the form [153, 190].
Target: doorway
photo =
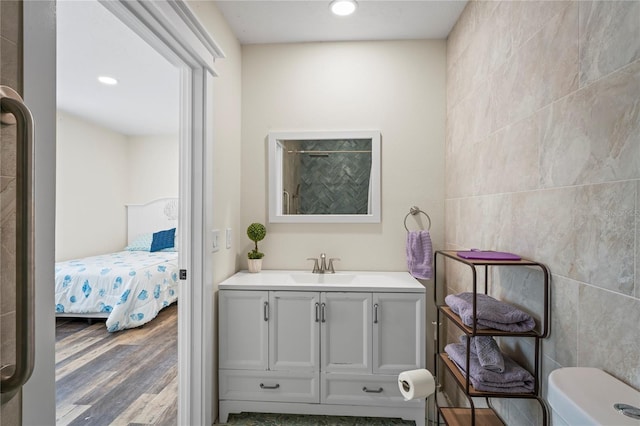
[172, 29]
[117, 144]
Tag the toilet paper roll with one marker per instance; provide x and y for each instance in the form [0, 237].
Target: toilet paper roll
[416, 384]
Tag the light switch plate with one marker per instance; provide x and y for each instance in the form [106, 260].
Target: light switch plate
[215, 240]
[228, 233]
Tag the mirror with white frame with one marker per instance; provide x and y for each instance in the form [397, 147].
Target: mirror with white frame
[324, 177]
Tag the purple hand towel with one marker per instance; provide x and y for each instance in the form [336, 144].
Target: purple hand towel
[514, 379]
[419, 254]
[488, 352]
[491, 313]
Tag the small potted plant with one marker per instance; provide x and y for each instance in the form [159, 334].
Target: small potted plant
[256, 232]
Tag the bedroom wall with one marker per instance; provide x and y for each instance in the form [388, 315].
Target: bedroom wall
[397, 87]
[543, 151]
[99, 171]
[91, 188]
[153, 165]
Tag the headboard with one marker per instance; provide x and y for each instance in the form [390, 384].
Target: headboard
[154, 216]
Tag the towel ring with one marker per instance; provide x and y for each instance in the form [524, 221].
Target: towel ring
[414, 211]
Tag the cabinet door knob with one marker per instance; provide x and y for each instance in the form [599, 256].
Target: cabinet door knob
[375, 313]
[266, 311]
[379, 390]
[317, 312]
[322, 313]
[263, 386]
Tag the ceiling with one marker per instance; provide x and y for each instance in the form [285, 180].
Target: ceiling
[311, 20]
[91, 41]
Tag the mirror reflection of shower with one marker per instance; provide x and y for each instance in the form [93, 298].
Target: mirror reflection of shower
[326, 176]
[295, 198]
[290, 201]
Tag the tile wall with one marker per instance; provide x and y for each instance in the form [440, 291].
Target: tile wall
[543, 159]
[10, 75]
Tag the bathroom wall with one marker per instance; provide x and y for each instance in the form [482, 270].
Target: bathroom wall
[543, 159]
[397, 87]
[10, 75]
[223, 150]
[223, 162]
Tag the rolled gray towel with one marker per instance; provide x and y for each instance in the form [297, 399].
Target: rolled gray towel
[488, 352]
[491, 313]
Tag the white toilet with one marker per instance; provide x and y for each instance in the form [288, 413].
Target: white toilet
[582, 396]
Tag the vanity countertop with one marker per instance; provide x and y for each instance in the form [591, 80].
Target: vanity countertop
[363, 281]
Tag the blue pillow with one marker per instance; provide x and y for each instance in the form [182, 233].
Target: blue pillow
[163, 239]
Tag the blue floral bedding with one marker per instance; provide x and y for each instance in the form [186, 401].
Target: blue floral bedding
[131, 287]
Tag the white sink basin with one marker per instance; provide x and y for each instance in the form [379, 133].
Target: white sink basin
[311, 278]
[364, 281]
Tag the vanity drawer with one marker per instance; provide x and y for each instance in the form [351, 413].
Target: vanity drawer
[363, 389]
[278, 386]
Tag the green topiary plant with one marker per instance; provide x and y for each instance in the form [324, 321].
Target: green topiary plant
[256, 232]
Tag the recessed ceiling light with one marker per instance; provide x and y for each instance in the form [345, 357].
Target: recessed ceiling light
[110, 81]
[343, 7]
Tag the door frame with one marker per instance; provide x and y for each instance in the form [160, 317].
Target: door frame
[39, 85]
[172, 29]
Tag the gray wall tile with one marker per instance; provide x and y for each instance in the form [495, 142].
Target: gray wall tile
[542, 159]
[541, 71]
[461, 34]
[609, 37]
[593, 135]
[10, 12]
[637, 217]
[529, 17]
[8, 150]
[9, 63]
[608, 333]
[584, 233]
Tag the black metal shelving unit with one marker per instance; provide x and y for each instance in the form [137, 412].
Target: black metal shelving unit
[464, 416]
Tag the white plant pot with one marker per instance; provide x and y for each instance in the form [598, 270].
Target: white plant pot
[255, 265]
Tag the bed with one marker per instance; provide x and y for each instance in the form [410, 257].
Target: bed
[128, 288]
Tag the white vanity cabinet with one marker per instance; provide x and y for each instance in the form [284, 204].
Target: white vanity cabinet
[286, 347]
[398, 332]
[294, 319]
[346, 332]
[243, 332]
[261, 330]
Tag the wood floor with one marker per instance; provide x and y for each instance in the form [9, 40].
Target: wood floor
[128, 377]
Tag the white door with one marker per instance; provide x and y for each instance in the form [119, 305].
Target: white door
[345, 332]
[243, 320]
[294, 331]
[398, 337]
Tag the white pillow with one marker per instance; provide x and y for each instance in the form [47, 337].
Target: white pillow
[143, 243]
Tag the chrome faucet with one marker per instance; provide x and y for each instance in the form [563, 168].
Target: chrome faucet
[323, 268]
[323, 263]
